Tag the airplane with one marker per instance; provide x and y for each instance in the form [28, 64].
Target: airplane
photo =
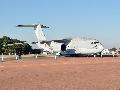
[65, 47]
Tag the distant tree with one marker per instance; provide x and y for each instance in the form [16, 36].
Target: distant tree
[26, 48]
[8, 45]
[119, 50]
[1, 45]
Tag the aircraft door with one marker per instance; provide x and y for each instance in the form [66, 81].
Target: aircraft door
[63, 47]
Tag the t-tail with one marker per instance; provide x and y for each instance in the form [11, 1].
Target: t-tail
[40, 35]
[38, 31]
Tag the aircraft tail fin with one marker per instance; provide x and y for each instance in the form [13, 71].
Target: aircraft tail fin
[38, 31]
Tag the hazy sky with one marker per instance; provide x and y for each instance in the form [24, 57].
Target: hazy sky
[99, 19]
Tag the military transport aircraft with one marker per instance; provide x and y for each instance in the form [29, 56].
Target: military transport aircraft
[68, 46]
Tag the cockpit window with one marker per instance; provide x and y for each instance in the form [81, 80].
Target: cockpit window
[94, 42]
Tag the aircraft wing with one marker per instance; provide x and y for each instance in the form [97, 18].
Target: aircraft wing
[66, 41]
[62, 40]
[34, 42]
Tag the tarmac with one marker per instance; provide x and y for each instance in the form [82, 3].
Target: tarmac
[62, 73]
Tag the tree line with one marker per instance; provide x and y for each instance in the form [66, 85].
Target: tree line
[12, 46]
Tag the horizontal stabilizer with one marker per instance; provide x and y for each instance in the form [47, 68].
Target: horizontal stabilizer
[25, 25]
[34, 25]
[42, 26]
